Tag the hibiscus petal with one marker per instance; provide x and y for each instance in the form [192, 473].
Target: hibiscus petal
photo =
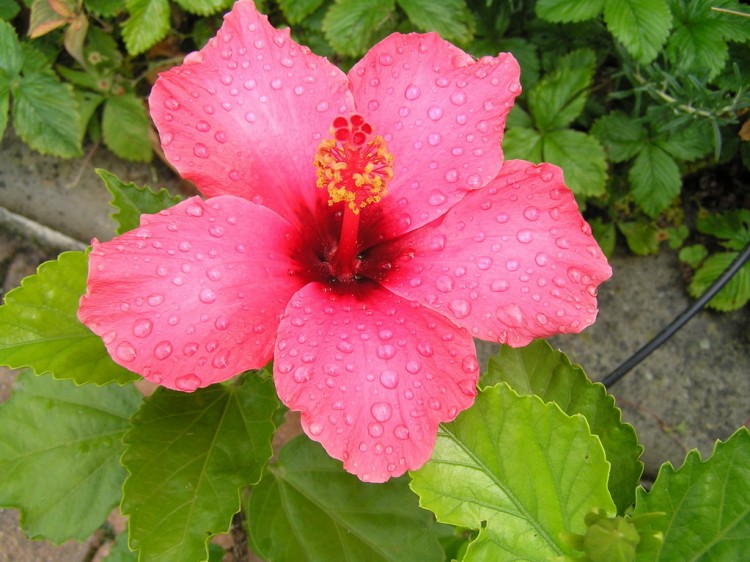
[373, 376]
[194, 295]
[245, 115]
[442, 115]
[511, 262]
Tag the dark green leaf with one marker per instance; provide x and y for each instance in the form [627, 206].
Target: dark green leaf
[707, 505]
[564, 11]
[641, 25]
[621, 136]
[558, 98]
[654, 180]
[188, 456]
[45, 115]
[147, 25]
[523, 143]
[130, 201]
[735, 294]
[450, 18]
[519, 471]
[11, 56]
[34, 60]
[642, 237]
[525, 52]
[8, 10]
[581, 158]
[120, 551]
[307, 509]
[350, 25]
[39, 327]
[105, 8]
[125, 126]
[59, 454]
[204, 7]
[687, 143]
[539, 369]
[4, 106]
[605, 234]
[733, 227]
[295, 11]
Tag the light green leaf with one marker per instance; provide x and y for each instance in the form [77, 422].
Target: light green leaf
[351, 25]
[4, 106]
[450, 18]
[307, 509]
[39, 327]
[147, 25]
[11, 56]
[45, 115]
[8, 10]
[105, 8]
[188, 456]
[523, 143]
[558, 98]
[519, 471]
[693, 255]
[654, 180]
[295, 11]
[130, 201]
[204, 7]
[564, 11]
[641, 26]
[539, 369]
[622, 136]
[59, 454]
[120, 551]
[732, 226]
[125, 126]
[581, 158]
[642, 237]
[707, 505]
[735, 294]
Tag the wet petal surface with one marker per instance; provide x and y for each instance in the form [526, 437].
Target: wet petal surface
[511, 262]
[244, 115]
[442, 115]
[373, 376]
[194, 295]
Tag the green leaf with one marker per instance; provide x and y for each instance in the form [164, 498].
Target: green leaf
[350, 25]
[295, 11]
[125, 126]
[519, 471]
[642, 237]
[523, 143]
[582, 159]
[120, 551]
[641, 26]
[130, 201]
[4, 106]
[105, 8]
[565, 11]
[622, 136]
[654, 180]
[39, 327]
[204, 7]
[687, 143]
[148, 24]
[450, 18]
[693, 255]
[558, 98]
[59, 454]
[188, 456]
[45, 115]
[538, 369]
[733, 227]
[307, 508]
[735, 294]
[11, 55]
[707, 505]
[44, 18]
[605, 234]
[8, 10]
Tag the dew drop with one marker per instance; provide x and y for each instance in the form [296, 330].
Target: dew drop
[412, 92]
[194, 210]
[401, 432]
[381, 411]
[301, 374]
[484, 263]
[200, 150]
[386, 351]
[322, 106]
[460, 308]
[207, 296]
[125, 352]
[437, 198]
[389, 378]
[531, 213]
[470, 364]
[221, 323]
[203, 126]
[413, 367]
[375, 429]
[525, 236]
[142, 328]
[155, 299]
[499, 286]
[172, 104]
[163, 350]
[187, 383]
[425, 349]
[444, 284]
[435, 112]
[458, 98]
[316, 428]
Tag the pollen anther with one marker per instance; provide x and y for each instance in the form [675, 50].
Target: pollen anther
[354, 166]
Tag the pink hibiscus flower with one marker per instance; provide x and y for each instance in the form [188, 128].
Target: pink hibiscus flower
[360, 229]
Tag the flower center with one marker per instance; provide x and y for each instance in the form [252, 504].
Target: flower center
[354, 166]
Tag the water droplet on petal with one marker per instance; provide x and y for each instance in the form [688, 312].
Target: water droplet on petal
[531, 213]
[484, 263]
[194, 210]
[389, 378]
[316, 428]
[425, 349]
[460, 308]
[221, 323]
[125, 351]
[172, 104]
[412, 92]
[499, 286]
[201, 150]
[414, 367]
[401, 432]
[468, 387]
[381, 411]
[301, 374]
[142, 327]
[386, 351]
[207, 296]
[525, 236]
[458, 98]
[163, 350]
[187, 383]
[435, 112]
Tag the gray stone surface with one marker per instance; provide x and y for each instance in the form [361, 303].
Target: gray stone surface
[689, 393]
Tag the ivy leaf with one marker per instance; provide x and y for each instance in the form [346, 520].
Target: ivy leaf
[523, 143]
[582, 159]
[642, 237]
[641, 26]
[130, 201]
[59, 454]
[125, 126]
[188, 455]
[39, 327]
[147, 25]
[295, 11]
[558, 98]
[654, 180]
[621, 136]
[539, 369]
[204, 7]
[521, 480]
[351, 25]
[707, 504]
[735, 294]
[566, 11]
[307, 508]
[450, 18]
[45, 115]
